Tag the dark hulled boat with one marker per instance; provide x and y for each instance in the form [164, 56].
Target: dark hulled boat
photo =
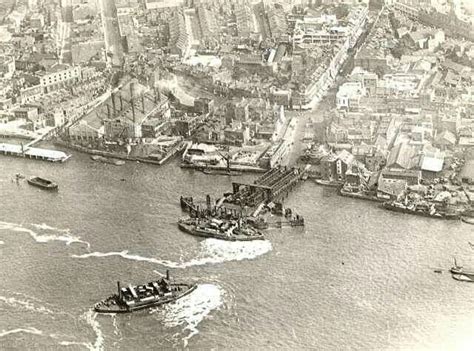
[135, 298]
[42, 183]
[468, 220]
[218, 229]
[217, 171]
[111, 161]
[419, 211]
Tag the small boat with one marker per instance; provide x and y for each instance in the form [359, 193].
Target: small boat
[42, 183]
[463, 278]
[333, 184]
[111, 161]
[439, 271]
[468, 220]
[139, 297]
[226, 172]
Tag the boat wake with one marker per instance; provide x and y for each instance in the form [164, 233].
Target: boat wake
[48, 233]
[212, 251]
[98, 344]
[31, 330]
[44, 226]
[24, 304]
[124, 254]
[191, 310]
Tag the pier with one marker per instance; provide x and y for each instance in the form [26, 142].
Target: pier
[265, 194]
[272, 186]
[33, 153]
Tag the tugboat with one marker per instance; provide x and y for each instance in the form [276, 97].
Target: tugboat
[134, 298]
[42, 183]
[228, 230]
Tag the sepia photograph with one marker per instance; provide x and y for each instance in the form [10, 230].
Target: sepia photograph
[237, 175]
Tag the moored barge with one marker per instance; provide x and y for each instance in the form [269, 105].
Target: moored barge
[42, 183]
[420, 211]
[219, 229]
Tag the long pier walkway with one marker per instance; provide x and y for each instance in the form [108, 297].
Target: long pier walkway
[272, 186]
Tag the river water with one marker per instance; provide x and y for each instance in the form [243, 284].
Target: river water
[356, 277]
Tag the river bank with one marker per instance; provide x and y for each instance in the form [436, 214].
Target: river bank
[119, 156]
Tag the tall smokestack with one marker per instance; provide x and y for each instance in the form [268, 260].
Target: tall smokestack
[132, 101]
[113, 104]
[112, 36]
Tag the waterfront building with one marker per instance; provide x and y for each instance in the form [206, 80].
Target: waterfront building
[390, 186]
[274, 155]
[201, 154]
[86, 131]
[154, 127]
[187, 125]
[342, 166]
[26, 113]
[431, 162]
[237, 134]
[410, 176]
[121, 128]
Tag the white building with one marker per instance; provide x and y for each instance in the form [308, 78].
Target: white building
[349, 94]
[326, 29]
[59, 76]
[162, 4]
